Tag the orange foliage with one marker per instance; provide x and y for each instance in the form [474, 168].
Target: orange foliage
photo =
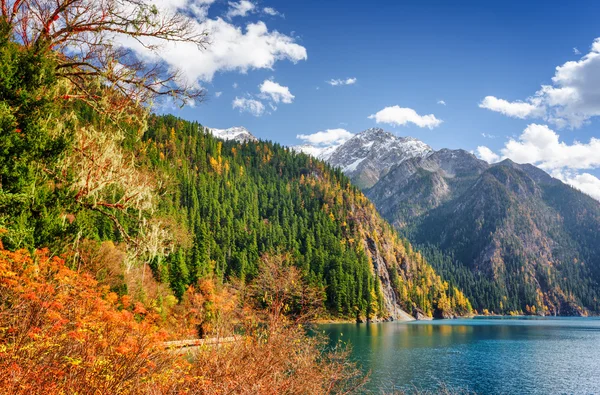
[63, 332]
[60, 331]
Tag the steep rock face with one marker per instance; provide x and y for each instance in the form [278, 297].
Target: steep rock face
[369, 155]
[382, 270]
[403, 272]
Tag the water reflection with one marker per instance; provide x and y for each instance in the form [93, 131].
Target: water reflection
[485, 355]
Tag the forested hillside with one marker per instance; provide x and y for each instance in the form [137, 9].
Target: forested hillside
[514, 238]
[240, 201]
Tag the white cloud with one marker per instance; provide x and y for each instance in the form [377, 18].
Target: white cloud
[275, 92]
[218, 94]
[576, 51]
[234, 85]
[397, 116]
[571, 100]
[251, 106]
[442, 102]
[487, 154]
[272, 11]
[328, 137]
[488, 136]
[347, 81]
[271, 92]
[585, 182]
[230, 49]
[516, 109]
[241, 8]
[541, 146]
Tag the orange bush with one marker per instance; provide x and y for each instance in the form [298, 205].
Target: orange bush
[61, 332]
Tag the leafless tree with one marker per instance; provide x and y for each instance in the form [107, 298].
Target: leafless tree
[88, 35]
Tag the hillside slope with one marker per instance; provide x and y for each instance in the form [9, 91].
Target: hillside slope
[241, 200]
[514, 238]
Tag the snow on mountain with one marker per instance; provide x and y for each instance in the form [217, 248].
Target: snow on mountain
[237, 133]
[322, 153]
[365, 157]
[369, 155]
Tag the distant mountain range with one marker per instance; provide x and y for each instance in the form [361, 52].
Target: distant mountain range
[511, 236]
[520, 240]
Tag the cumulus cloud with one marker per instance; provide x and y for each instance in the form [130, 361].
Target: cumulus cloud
[231, 48]
[277, 93]
[251, 106]
[337, 82]
[515, 109]
[571, 100]
[271, 93]
[487, 154]
[576, 51]
[240, 8]
[541, 146]
[218, 94]
[585, 182]
[398, 116]
[328, 137]
[442, 102]
[488, 136]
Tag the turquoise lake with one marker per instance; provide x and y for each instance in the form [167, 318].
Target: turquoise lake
[487, 356]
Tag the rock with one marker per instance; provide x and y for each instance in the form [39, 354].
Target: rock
[439, 314]
[420, 315]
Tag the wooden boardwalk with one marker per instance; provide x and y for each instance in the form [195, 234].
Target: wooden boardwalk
[190, 345]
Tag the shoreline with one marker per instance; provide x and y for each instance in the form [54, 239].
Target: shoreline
[324, 321]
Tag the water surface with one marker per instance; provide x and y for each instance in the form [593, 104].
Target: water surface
[500, 356]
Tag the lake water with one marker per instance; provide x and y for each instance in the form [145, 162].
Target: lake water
[499, 355]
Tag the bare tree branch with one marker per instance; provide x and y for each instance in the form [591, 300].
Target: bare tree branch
[86, 33]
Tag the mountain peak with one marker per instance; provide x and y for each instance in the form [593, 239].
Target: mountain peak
[507, 162]
[537, 174]
[373, 132]
[371, 153]
[236, 133]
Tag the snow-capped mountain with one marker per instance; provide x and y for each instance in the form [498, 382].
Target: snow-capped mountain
[237, 133]
[322, 153]
[369, 155]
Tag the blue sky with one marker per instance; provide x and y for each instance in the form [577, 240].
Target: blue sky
[410, 54]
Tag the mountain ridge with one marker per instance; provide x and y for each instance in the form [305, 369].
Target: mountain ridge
[368, 155]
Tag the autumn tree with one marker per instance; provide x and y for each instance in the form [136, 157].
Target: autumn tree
[72, 91]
